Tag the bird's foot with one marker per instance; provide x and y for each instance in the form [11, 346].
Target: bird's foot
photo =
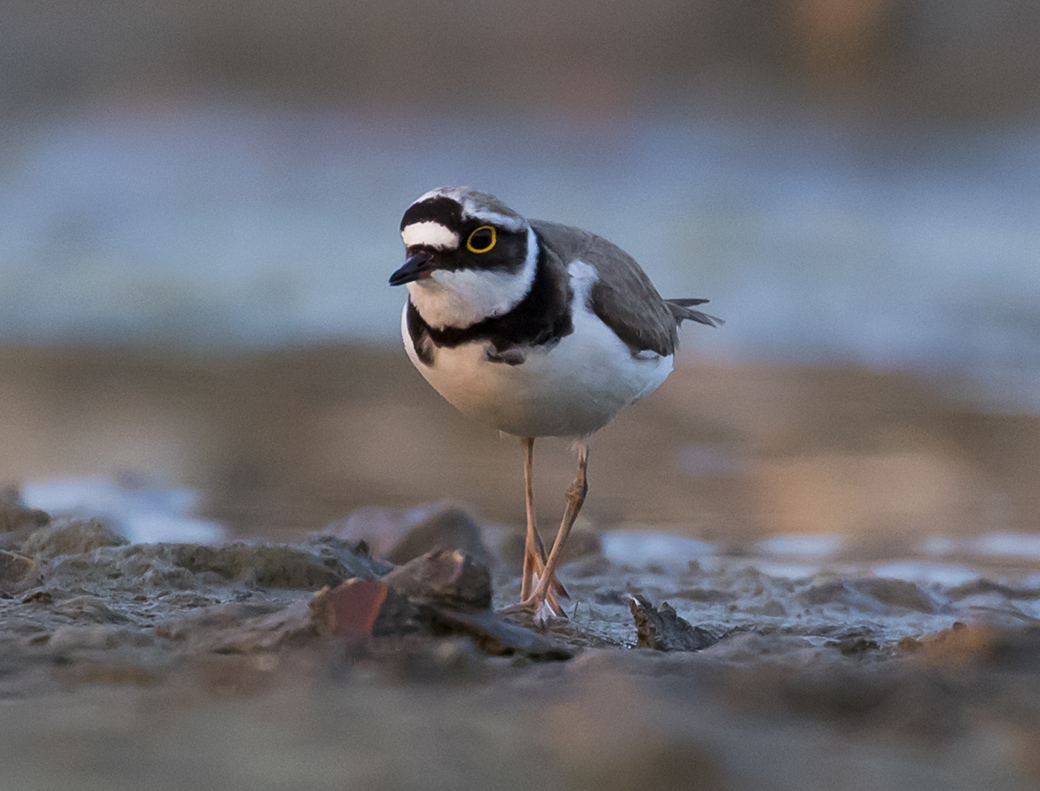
[541, 609]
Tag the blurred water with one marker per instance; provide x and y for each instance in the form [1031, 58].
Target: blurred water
[140, 510]
[217, 225]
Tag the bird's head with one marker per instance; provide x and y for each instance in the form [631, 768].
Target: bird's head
[469, 257]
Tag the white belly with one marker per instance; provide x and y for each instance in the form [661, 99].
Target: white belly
[570, 390]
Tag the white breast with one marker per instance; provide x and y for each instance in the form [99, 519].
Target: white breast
[571, 390]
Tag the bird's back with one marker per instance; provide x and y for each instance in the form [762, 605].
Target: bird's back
[623, 297]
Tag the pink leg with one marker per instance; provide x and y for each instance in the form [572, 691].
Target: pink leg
[534, 549]
[540, 599]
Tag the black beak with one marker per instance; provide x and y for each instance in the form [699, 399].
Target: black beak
[419, 265]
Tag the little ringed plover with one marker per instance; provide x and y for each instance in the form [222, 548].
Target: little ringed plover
[534, 328]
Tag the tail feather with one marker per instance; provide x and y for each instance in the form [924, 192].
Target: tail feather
[681, 310]
[687, 302]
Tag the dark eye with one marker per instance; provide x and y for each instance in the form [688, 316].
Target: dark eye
[482, 239]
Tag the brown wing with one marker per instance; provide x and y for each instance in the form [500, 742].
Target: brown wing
[623, 297]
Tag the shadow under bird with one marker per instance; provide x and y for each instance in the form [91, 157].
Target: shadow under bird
[534, 328]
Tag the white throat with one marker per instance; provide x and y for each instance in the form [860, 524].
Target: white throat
[465, 297]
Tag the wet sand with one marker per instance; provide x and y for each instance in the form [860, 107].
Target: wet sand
[179, 666]
[291, 440]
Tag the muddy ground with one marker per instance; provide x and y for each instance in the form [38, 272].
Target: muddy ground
[856, 547]
[286, 441]
[172, 666]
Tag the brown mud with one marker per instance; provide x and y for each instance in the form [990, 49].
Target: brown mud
[172, 666]
[287, 441]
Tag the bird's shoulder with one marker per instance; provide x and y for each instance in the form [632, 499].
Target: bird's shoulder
[622, 296]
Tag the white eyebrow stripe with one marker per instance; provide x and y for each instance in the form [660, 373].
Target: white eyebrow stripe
[493, 218]
[481, 214]
[429, 234]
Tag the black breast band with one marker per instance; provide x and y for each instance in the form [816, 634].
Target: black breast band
[542, 318]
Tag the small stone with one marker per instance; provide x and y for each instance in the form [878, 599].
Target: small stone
[350, 609]
[71, 538]
[90, 608]
[38, 596]
[287, 627]
[497, 637]
[435, 595]
[664, 630]
[855, 645]
[447, 529]
[908, 644]
[445, 578]
[272, 565]
[14, 517]
[18, 573]
[379, 528]
[873, 595]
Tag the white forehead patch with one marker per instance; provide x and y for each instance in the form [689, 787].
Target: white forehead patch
[430, 234]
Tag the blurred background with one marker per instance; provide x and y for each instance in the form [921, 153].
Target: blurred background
[199, 206]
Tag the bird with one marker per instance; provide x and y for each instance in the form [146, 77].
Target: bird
[537, 329]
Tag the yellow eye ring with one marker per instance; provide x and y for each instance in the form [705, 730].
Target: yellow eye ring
[494, 238]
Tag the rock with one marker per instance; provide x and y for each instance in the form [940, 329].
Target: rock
[18, 573]
[15, 517]
[440, 593]
[287, 627]
[90, 608]
[38, 596]
[447, 529]
[17, 523]
[71, 538]
[379, 528]
[400, 602]
[272, 565]
[497, 637]
[350, 609]
[352, 553]
[445, 578]
[164, 568]
[451, 592]
[213, 618]
[664, 630]
[873, 594]
[854, 644]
